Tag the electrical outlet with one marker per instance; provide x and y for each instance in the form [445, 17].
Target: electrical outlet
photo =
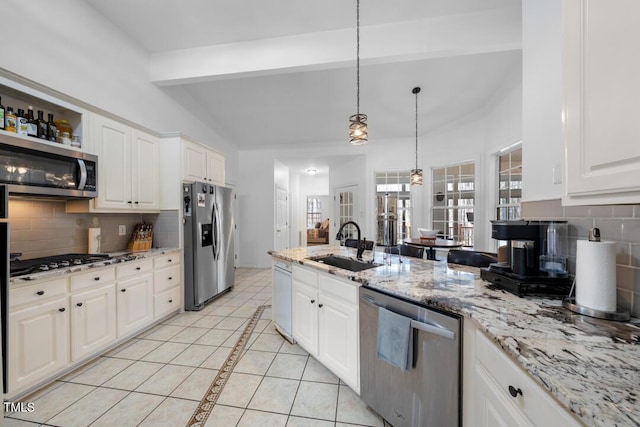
[122, 230]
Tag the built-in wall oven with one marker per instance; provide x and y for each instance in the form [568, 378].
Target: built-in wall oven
[43, 169]
[426, 392]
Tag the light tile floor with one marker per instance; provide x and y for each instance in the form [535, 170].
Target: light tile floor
[159, 377]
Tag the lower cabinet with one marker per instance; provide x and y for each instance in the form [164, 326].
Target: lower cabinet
[167, 292]
[39, 342]
[135, 304]
[325, 322]
[503, 394]
[93, 320]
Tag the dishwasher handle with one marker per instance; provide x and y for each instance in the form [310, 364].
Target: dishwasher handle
[429, 328]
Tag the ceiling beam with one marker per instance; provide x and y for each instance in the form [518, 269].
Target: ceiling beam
[464, 34]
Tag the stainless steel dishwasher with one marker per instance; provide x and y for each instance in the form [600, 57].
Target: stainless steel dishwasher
[427, 394]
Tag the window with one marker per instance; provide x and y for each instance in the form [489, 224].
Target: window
[509, 184]
[394, 220]
[453, 202]
[314, 212]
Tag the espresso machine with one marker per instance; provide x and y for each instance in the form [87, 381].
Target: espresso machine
[536, 262]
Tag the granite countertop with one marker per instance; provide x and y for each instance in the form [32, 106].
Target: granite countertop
[117, 258]
[591, 366]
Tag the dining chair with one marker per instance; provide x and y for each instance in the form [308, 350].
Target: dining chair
[406, 250]
[353, 243]
[471, 258]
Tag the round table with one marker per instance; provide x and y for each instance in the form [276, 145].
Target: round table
[431, 245]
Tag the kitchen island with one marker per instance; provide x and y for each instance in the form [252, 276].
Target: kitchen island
[590, 366]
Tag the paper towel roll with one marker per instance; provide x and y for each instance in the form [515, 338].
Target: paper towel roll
[94, 241]
[596, 275]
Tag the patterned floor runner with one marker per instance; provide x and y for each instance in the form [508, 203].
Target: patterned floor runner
[202, 412]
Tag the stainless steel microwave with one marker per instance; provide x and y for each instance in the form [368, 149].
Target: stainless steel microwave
[31, 167]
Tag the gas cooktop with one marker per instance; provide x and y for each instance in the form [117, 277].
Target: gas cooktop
[38, 265]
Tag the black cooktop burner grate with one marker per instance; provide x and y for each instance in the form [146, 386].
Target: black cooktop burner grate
[37, 265]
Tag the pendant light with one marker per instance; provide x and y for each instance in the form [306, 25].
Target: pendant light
[358, 132]
[416, 174]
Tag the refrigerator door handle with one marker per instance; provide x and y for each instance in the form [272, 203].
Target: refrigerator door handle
[216, 232]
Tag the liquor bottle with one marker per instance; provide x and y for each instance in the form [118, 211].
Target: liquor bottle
[9, 120]
[1, 114]
[21, 122]
[32, 124]
[52, 130]
[42, 125]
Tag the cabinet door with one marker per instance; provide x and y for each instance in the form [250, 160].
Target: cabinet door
[194, 166]
[338, 338]
[215, 168]
[492, 410]
[113, 142]
[305, 317]
[38, 342]
[135, 304]
[601, 110]
[93, 320]
[145, 172]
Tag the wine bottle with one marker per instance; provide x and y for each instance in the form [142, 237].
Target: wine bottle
[21, 122]
[32, 124]
[9, 120]
[1, 115]
[52, 130]
[42, 125]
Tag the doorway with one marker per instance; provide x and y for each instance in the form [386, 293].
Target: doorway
[282, 219]
[346, 208]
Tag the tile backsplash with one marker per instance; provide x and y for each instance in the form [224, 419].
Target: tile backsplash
[43, 228]
[619, 223]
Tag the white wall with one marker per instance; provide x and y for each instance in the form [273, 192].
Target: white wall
[542, 140]
[66, 46]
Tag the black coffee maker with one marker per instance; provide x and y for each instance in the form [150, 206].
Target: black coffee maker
[535, 264]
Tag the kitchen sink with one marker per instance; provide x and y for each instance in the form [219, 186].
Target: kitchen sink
[344, 262]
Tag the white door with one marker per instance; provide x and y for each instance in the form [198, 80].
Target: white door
[114, 148]
[93, 320]
[146, 168]
[345, 209]
[135, 304]
[282, 219]
[305, 317]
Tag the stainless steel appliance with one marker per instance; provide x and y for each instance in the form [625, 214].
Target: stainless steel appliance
[282, 289]
[34, 168]
[209, 252]
[428, 393]
[536, 263]
[38, 265]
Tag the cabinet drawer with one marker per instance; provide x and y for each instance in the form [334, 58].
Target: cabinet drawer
[132, 268]
[167, 260]
[166, 278]
[340, 289]
[36, 293]
[535, 402]
[92, 278]
[303, 275]
[166, 302]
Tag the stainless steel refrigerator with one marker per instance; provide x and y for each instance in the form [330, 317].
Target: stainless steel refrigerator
[208, 242]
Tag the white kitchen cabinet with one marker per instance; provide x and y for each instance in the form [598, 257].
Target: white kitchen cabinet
[601, 109]
[167, 285]
[93, 320]
[128, 170]
[200, 163]
[134, 304]
[38, 341]
[325, 322]
[305, 316]
[338, 339]
[505, 395]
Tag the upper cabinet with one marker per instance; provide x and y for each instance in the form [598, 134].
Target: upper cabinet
[601, 108]
[200, 163]
[128, 169]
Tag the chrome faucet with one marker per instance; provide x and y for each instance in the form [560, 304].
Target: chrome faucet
[360, 244]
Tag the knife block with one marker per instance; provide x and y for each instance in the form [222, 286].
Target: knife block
[139, 243]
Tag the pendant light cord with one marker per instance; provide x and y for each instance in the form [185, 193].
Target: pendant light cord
[358, 56]
[416, 92]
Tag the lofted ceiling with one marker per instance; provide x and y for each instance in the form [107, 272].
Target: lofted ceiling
[281, 73]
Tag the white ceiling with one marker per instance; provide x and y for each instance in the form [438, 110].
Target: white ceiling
[292, 104]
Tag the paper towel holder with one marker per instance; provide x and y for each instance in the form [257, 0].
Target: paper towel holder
[570, 304]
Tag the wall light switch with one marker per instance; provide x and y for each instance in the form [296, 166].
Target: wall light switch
[122, 230]
[556, 174]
